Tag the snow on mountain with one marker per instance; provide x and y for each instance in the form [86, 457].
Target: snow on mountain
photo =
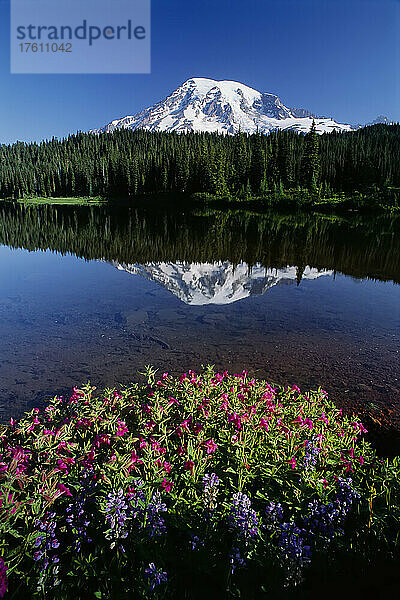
[202, 104]
[380, 119]
[199, 284]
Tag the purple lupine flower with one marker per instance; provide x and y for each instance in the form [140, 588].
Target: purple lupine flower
[3, 578]
[273, 513]
[311, 455]
[210, 491]
[136, 498]
[323, 520]
[78, 521]
[236, 560]
[294, 550]
[155, 576]
[242, 517]
[116, 517]
[195, 542]
[47, 543]
[155, 524]
[346, 494]
[79, 513]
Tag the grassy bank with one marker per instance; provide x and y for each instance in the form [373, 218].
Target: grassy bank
[77, 201]
[371, 201]
[209, 484]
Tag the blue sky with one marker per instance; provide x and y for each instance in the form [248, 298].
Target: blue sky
[337, 58]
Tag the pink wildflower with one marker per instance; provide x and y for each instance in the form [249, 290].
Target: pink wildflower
[167, 485]
[189, 466]
[122, 428]
[293, 462]
[63, 489]
[211, 446]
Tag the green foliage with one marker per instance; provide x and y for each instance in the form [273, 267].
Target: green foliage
[130, 164]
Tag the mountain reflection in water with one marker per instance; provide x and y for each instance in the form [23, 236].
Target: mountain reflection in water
[199, 284]
[331, 314]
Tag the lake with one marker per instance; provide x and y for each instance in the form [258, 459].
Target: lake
[96, 293]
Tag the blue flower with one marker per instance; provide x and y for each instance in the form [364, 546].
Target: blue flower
[155, 524]
[116, 516]
[242, 517]
[155, 576]
[210, 491]
[236, 560]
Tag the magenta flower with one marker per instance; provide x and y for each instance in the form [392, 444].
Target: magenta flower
[189, 466]
[3, 578]
[167, 485]
[293, 462]
[122, 428]
[63, 489]
[211, 446]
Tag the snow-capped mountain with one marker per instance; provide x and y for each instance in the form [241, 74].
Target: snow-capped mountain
[202, 104]
[199, 284]
[380, 119]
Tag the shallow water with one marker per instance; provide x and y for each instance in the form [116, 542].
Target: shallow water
[98, 293]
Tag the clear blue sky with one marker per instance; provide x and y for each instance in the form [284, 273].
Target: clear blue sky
[337, 58]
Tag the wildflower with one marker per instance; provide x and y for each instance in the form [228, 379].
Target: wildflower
[295, 552]
[242, 517]
[167, 485]
[236, 561]
[210, 487]
[78, 512]
[293, 462]
[235, 419]
[63, 489]
[47, 543]
[115, 511]
[273, 513]
[189, 466]
[155, 524]
[195, 542]
[311, 455]
[3, 578]
[197, 427]
[122, 428]
[155, 576]
[211, 446]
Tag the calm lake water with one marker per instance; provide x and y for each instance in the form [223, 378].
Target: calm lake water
[98, 293]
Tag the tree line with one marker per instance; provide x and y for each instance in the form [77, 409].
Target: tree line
[357, 246]
[129, 163]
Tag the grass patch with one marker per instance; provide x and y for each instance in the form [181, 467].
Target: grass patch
[78, 201]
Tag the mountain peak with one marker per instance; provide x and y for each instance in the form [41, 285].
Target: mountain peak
[203, 104]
